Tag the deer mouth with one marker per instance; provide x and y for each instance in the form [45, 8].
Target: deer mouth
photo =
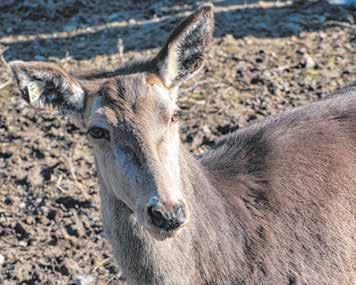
[162, 235]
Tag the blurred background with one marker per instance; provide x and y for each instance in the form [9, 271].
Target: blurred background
[267, 56]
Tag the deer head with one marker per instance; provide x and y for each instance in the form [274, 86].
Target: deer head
[132, 120]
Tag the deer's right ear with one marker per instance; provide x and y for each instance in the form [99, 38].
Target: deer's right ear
[48, 87]
[185, 51]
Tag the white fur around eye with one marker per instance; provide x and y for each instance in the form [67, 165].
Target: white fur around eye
[165, 93]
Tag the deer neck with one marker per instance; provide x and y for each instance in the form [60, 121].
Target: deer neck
[176, 260]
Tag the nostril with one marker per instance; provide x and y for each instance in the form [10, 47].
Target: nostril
[157, 217]
[169, 220]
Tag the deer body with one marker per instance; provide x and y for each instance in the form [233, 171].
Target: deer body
[273, 203]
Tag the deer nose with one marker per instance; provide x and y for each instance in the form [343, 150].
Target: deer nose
[165, 218]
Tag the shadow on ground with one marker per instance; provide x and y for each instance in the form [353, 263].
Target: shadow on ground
[75, 31]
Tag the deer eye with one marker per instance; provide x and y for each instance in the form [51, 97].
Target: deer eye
[176, 116]
[99, 133]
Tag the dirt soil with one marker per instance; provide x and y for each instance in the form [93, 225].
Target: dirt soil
[267, 57]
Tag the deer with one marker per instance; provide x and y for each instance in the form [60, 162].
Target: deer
[271, 203]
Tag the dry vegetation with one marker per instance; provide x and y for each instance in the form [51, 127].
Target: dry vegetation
[267, 57]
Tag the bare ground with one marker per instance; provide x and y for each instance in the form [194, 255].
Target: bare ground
[267, 57]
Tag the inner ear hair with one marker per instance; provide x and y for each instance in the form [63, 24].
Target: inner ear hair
[185, 50]
[46, 86]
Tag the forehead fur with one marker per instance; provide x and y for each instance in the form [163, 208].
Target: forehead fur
[153, 79]
[120, 95]
[128, 98]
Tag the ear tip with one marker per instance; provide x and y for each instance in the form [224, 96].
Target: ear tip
[16, 64]
[206, 12]
[206, 8]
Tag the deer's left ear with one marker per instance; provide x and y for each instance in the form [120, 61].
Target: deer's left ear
[185, 51]
[46, 86]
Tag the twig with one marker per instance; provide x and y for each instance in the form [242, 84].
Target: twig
[101, 263]
[7, 83]
[71, 167]
[341, 24]
[58, 185]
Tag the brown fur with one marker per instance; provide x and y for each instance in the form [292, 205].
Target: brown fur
[273, 203]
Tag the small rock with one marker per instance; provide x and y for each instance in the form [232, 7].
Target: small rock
[309, 61]
[21, 232]
[8, 200]
[323, 35]
[51, 215]
[2, 259]
[85, 280]
[30, 220]
[248, 41]
[132, 22]
[229, 39]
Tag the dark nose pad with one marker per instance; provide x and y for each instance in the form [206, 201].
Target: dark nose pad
[167, 220]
